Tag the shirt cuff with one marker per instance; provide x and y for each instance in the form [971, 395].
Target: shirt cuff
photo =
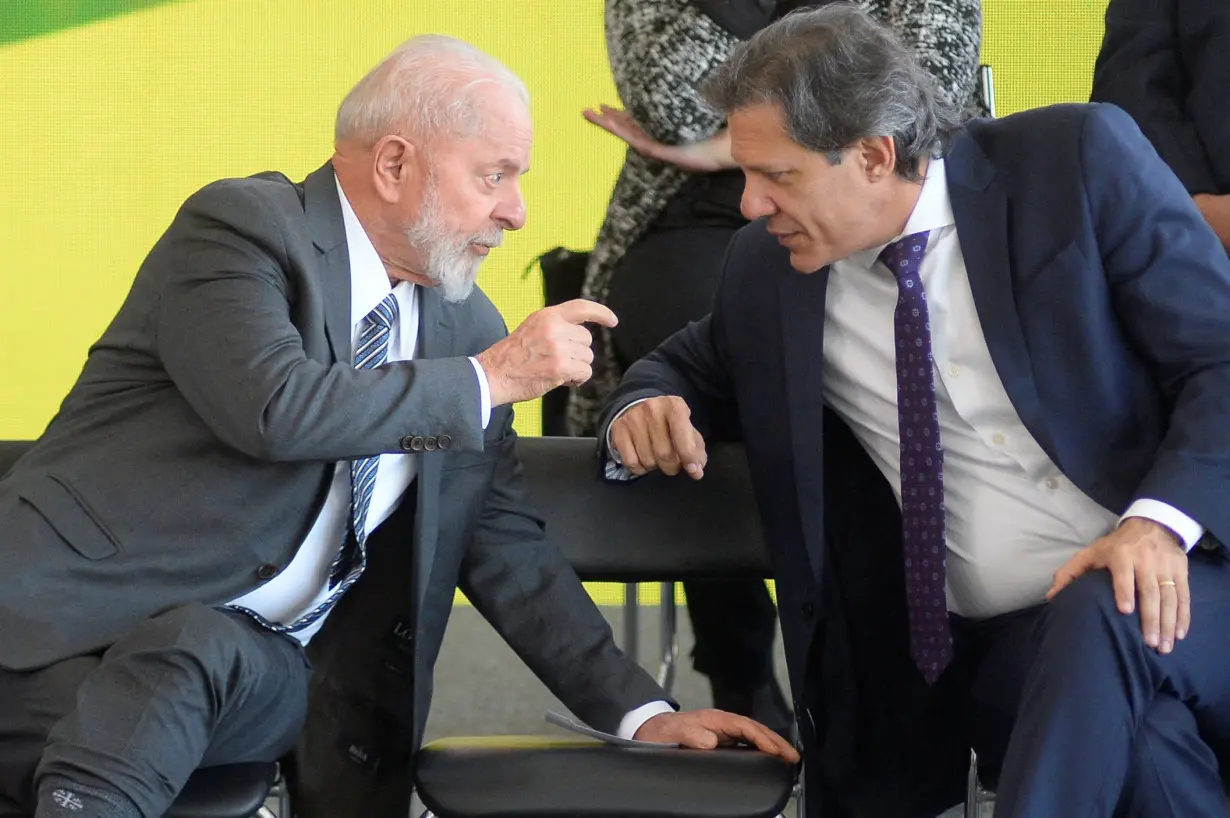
[614, 468]
[484, 393]
[1185, 528]
[635, 719]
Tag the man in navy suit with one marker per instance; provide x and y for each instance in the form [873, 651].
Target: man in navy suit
[983, 378]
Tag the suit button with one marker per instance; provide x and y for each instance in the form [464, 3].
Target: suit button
[808, 610]
[445, 441]
[430, 444]
[406, 443]
[416, 443]
[266, 572]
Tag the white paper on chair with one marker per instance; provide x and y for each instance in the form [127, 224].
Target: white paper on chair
[560, 720]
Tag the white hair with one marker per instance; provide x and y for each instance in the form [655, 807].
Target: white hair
[429, 85]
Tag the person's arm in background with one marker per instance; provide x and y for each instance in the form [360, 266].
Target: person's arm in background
[660, 53]
[1204, 43]
[705, 156]
[1145, 68]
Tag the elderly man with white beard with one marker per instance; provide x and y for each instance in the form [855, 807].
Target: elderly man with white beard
[299, 373]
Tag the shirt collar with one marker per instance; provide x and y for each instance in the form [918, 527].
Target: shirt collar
[932, 211]
[369, 281]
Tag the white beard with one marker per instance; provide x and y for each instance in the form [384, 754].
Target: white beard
[448, 258]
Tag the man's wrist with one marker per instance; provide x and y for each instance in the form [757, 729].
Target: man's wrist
[1177, 523]
[1144, 526]
[484, 393]
[633, 721]
[495, 391]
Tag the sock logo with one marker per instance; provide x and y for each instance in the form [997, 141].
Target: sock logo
[68, 800]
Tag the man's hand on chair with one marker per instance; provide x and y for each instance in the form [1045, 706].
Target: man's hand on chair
[658, 434]
[707, 729]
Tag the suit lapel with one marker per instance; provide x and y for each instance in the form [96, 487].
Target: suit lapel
[980, 207]
[802, 310]
[324, 214]
[435, 341]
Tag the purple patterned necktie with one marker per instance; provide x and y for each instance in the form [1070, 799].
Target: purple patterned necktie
[922, 463]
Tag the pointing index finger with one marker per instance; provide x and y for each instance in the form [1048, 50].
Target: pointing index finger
[584, 311]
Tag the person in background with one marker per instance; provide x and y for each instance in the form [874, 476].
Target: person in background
[674, 209]
[302, 374]
[1167, 63]
[981, 373]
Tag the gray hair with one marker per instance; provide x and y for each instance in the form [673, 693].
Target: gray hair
[838, 76]
[429, 85]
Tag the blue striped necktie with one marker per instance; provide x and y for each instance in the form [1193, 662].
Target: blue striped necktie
[351, 559]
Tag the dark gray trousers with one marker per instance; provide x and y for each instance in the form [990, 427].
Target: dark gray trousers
[193, 687]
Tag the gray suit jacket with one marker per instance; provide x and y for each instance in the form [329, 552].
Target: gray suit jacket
[198, 444]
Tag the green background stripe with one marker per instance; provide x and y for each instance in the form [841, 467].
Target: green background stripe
[23, 19]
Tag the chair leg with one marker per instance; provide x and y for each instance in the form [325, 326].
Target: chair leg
[972, 794]
[800, 796]
[669, 639]
[986, 81]
[631, 621]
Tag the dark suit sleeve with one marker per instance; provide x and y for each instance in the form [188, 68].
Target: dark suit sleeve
[1170, 283]
[692, 364]
[1204, 35]
[523, 586]
[226, 338]
[1141, 68]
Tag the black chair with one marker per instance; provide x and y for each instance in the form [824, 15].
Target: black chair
[656, 529]
[234, 791]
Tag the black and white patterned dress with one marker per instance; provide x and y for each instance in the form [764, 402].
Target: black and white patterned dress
[660, 52]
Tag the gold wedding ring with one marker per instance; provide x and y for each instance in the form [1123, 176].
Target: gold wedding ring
[1166, 583]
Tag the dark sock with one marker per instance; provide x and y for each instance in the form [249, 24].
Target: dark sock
[60, 798]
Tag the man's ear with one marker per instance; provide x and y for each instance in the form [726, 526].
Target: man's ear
[877, 156]
[394, 167]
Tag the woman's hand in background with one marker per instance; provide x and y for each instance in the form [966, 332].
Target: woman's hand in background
[707, 156]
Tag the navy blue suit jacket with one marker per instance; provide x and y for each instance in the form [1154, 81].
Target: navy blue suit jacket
[1105, 302]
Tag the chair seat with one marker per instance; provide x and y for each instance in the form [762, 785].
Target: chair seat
[515, 776]
[232, 791]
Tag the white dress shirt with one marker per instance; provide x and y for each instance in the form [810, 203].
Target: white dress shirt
[304, 583]
[1012, 517]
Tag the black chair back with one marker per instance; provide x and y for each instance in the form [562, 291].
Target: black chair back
[653, 529]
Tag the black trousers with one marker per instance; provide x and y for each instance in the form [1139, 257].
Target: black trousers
[664, 281]
[192, 687]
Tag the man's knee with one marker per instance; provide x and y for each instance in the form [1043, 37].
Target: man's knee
[1086, 609]
[1090, 595]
